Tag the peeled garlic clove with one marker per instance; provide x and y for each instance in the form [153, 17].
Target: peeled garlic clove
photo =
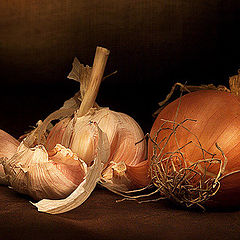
[8, 146]
[33, 172]
[82, 192]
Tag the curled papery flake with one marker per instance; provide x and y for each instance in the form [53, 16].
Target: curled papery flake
[82, 192]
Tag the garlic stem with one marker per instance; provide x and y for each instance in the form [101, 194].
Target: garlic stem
[99, 64]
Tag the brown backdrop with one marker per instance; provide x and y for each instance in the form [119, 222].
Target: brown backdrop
[153, 44]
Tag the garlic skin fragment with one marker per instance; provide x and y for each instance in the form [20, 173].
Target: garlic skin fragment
[8, 147]
[122, 132]
[39, 174]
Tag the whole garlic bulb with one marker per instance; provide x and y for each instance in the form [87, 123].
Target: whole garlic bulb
[127, 167]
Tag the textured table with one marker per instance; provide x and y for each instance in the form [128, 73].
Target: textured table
[100, 217]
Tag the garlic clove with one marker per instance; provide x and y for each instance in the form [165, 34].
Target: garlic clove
[115, 177]
[8, 146]
[82, 192]
[139, 173]
[122, 177]
[56, 133]
[80, 137]
[68, 163]
[33, 172]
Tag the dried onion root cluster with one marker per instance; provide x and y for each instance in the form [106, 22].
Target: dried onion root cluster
[194, 147]
[176, 179]
[60, 165]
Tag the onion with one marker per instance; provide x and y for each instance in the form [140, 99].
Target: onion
[194, 149]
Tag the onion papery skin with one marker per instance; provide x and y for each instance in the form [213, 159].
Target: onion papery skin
[216, 116]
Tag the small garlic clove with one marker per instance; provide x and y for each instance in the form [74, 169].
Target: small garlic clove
[122, 177]
[115, 177]
[139, 174]
[55, 135]
[8, 147]
[83, 191]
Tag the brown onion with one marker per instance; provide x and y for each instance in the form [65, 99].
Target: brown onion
[194, 149]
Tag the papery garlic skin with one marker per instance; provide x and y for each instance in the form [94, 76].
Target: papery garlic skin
[8, 147]
[122, 132]
[34, 172]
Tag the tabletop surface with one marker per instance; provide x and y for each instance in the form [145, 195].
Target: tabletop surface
[101, 217]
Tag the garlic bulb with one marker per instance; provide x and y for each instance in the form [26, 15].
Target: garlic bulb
[57, 177]
[8, 146]
[126, 168]
[45, 167]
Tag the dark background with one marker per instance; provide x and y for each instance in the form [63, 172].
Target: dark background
[153, 44]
